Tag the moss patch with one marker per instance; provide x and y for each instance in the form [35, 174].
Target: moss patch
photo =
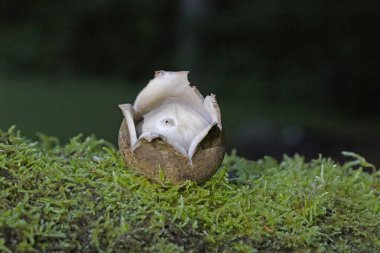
[80, 197]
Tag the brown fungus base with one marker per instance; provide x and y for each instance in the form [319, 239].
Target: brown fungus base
[151, 157]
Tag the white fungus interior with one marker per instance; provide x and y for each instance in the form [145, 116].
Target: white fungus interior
[177, 122]
[172, 109]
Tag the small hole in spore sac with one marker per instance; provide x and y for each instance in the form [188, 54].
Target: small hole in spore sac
[168, 122]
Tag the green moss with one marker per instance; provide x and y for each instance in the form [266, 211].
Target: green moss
[80, 197]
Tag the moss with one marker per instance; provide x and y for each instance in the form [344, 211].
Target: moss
[80, 197]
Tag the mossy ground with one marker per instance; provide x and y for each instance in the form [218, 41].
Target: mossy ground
[80, 197]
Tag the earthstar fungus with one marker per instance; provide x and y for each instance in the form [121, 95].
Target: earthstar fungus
[173, 128]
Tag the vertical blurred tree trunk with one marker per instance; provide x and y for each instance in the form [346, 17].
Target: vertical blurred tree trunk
[271, 91]
[190, 16]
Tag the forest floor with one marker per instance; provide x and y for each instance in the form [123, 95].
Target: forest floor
[80, 197]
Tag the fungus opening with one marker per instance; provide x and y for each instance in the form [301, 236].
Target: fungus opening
[168, 123]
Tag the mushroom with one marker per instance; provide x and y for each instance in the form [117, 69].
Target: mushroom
[172, 128]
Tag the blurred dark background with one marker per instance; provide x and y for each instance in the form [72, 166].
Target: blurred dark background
[290, 76]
